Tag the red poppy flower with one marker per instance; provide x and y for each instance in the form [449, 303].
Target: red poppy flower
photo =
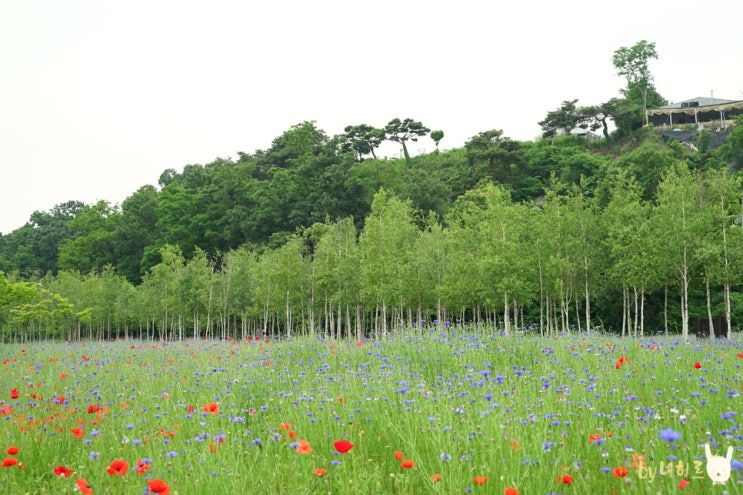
[159, 486]
[60, 399]
[510, 491]
[12, 451]
[740, 355]
[14, 394]
[142, 466]
[285, 426]
[94, 408]
[398, 455]
[407, 464]
[82, 485]
[697, 365]
[683, 483]
[436, 477]
[63, 471]
[10, 461]
[78, 432]
[620, 472]
[211, 407]
[621, 362]
[342, 446]
[304, 447]
[62, 376]
[319, 472]
[480, 480]
[565, 479]
[594, 437]
[118, 467]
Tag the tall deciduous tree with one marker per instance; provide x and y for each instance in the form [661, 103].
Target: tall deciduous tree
[633, 63]
[162, 285]
[337, 276]
[628, 243]
[720, 252]
[430, 269]
[386, 246]
[677, 214]
[496, 226]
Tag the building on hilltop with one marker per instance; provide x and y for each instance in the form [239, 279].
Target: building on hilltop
[714, 113]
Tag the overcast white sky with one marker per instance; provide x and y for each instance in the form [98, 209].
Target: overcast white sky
[98, 97]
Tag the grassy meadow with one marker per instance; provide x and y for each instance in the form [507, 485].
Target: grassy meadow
[440, 412]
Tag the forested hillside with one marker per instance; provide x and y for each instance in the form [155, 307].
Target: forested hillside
[314, 235]
[628, 232]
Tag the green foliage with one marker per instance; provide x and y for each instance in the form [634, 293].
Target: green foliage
[633, 64]
[731, 153]
[302, 139]
[564, 119]
[494, 156]
[362, 139]
[436, 137]
[648, 163]
[93, 241]
[404, 131]
[233, 246]
[136, 231]
[385, 250]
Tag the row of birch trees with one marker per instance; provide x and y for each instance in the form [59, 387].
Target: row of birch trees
[491, 262]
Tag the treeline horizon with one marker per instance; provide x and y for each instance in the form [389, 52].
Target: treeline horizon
[312, 236]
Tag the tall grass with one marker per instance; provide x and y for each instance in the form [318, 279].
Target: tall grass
[228, 417]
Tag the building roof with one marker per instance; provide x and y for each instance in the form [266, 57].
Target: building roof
[698, 105]
[699, 101]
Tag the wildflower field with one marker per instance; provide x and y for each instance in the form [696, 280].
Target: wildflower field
[439, 412]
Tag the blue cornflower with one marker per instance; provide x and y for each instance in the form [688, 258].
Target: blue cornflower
[669, 435]
[728, 415]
